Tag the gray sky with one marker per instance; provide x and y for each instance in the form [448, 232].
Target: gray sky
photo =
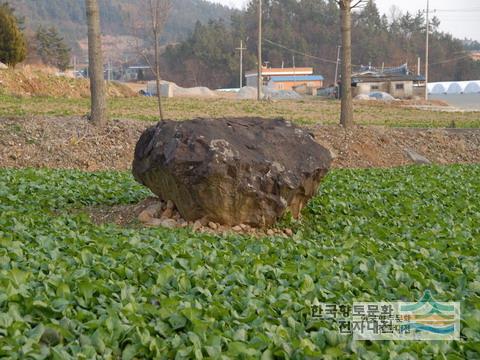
[463, 22]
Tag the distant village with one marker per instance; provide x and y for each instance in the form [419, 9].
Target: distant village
[399, 82]
[368, 82]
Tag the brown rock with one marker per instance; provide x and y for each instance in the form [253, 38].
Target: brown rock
[213, 225]
[170, 205]
[197, 225]
[154, 222]
[182, 223]
[145, 217]
[167, 214]
[169, 223]
[237, 228]
[150, 212]
[270, 232]
[288, 232]
[232, 171]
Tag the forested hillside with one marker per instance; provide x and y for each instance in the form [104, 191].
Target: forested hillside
[69, 16]
[309, 31]
[305, 32]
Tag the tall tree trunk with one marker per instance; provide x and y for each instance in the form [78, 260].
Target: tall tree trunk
[346, 118]
[157, 75]
[95, 58]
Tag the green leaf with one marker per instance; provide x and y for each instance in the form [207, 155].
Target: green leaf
[177, 321]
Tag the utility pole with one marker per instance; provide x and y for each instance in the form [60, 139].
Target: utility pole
[294, 72]
[427, 50]
[109, 70]
[260, 62]
[338, 61]
[241, 48]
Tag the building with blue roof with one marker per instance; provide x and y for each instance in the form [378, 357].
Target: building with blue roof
[288, 79]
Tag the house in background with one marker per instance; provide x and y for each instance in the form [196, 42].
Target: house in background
[286, 78]
[475, 55]
[137, 73]
[398, 82]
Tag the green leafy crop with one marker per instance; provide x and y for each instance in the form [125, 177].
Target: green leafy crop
[70, 289]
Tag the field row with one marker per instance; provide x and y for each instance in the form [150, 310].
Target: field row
[71, 289]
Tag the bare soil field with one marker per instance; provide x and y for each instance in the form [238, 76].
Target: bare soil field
[73, 143]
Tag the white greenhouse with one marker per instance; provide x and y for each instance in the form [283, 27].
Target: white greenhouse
[458, 87]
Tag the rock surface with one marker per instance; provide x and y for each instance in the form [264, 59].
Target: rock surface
[417, 158]
[231, 171]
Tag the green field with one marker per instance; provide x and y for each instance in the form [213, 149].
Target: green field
[70, 289]
[306, 112]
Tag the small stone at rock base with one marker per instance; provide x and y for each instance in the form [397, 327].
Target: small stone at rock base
[170, 204]
[244, 227]
[166, 223]
[145, 217]
[182, 223]
[167, 214]
[154, 222]
[149, 213]
[237, 228]
[212, 225]
[169, 223]
[197, 225]
[288, 232]
[270, 232]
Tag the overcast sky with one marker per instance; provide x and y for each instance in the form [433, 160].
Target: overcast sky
[463, 22]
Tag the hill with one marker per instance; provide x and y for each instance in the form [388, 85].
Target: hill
[69, 16]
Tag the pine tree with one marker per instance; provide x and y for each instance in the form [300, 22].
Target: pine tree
[13, 48]
[9, 9]
[52, 48]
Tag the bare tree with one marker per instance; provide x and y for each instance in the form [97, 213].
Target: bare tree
[95, 58]
[346, 6]
[158, 11]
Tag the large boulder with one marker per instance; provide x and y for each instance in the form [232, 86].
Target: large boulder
[231, 171]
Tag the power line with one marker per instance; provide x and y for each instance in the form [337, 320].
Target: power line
[450, 60]
[299, 52]
[458, 10]
[307, 55]
[334, 62]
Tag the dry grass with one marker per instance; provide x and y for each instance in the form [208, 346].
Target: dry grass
[305, 112]
[42, 81]
[30, 91]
